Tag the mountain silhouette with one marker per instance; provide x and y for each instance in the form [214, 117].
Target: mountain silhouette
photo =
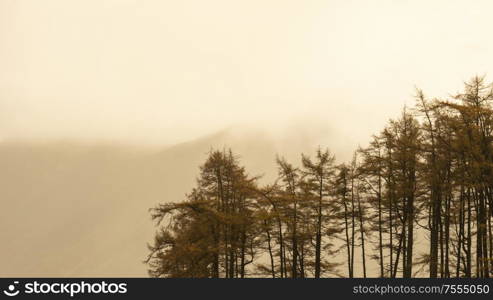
[81, 209]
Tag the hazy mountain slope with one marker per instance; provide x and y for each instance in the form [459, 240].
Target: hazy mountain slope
[72, 209]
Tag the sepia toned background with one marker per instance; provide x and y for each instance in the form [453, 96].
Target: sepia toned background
[108, 107]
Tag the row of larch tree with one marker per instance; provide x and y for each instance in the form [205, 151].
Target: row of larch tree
[417, 201]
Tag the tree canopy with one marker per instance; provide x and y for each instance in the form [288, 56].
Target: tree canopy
[416, 201]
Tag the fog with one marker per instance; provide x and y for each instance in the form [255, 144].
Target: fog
[170, 71]
[107, 107]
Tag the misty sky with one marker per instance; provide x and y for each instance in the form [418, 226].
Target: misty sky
[169, 71]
